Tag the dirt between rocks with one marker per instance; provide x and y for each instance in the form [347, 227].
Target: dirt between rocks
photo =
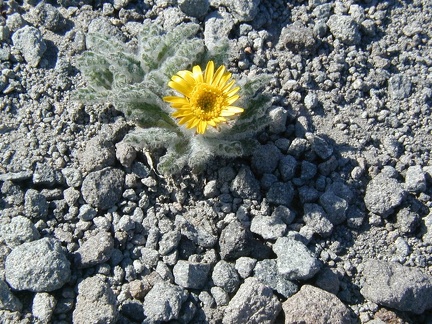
[329, 221]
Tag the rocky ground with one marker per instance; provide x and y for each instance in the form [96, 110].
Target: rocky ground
[328, 222]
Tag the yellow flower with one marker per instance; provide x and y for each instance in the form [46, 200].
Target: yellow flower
[207, 97]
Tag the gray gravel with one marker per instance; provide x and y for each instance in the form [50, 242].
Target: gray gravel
[329, 220]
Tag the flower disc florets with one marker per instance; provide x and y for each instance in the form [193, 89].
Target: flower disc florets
[207, 97]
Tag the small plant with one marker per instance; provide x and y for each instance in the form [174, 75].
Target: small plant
[137, 81]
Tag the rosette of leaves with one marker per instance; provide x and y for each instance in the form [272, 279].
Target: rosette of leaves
[134, 79]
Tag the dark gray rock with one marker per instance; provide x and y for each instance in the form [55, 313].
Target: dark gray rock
[415, 179]
[308, 170]
[19, 230]
[265, 158]
[245, 185]
[383, 195]
[35, 204]
[328, 280]
[103, 189]
[225, 276]
[194, 8]
[97, 249]
[284, 213]
[28, 40]
[192, 275]
[235, 241]
[320, 146]
[268, 227]
[316, 218]
[95, 303]
[393, 285]
[298, 147]
[163, 302]
[314, 305]
[281, 193]
[266, 272]
[335, 207]
[45, 175]
[299, 263]
[8, 301]
[308, 194]
[345, 29]
[254, 302]
[37, 266]
[287, 167]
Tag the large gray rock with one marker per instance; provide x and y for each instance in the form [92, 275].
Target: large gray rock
[265, 158]
[294, 260]
[163, 302]
[194, 8]
[35, 204]
[37, 266]
[95, 303]
[268, 227]
[19, 230]
[314, 305]
[396, 286]
[97, 249]
[28, 40]
[253, 303]
[103, 189]
[217, 28]
[383, 194]
[245, 185]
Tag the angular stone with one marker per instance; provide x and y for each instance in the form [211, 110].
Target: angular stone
[163, 302]
[225, 276]
[235, 241]
[95, 303]
[393, 285]
[97, 249]
[294, 260]
[314, 305]
[254, 302]
[191, 274]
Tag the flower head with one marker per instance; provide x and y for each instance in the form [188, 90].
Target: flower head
[207, 97]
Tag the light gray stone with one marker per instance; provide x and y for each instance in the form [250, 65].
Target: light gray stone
[217, 28]
[225, 276]
[29, 41]
[345, 29]
[268, 227]
[415, 179]
[98, 154]
[191, 274]
[97, 249]
[37, 266]
[383, 195]
[243, 10]
[254, 302]
[393, 285]
[294, 260]
[314, 305]
[35, 204]
[43, 307]
[95, 303]
[19, 230]
[163, 302]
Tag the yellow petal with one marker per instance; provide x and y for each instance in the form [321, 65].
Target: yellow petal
[197, 73]
[232, 99]
[209, 71]
[187, 76]
[201, 127]
[218, 75]
[183, 88]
